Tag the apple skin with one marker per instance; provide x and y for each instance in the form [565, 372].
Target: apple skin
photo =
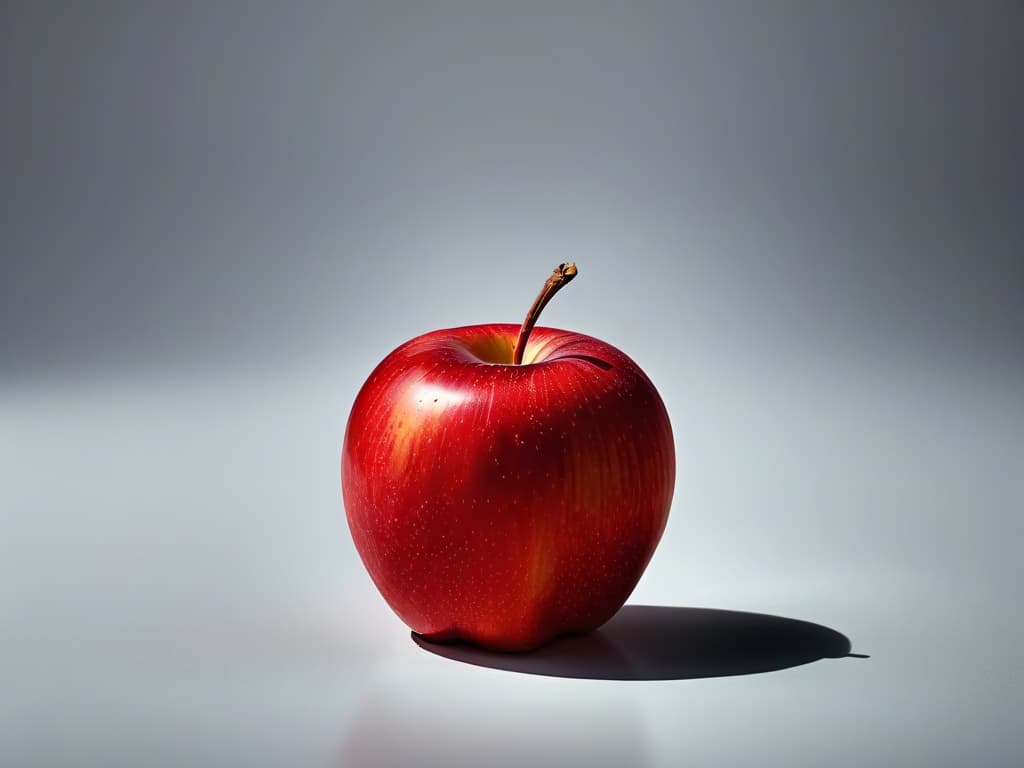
[506, 504]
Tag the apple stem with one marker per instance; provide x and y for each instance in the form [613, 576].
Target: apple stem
[563, 274]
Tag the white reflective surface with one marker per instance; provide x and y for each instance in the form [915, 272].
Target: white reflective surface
[180, 586]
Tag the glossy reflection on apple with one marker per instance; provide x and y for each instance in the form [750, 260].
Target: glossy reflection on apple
[507, 484]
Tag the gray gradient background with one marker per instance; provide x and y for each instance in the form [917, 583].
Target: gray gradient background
[804, 220]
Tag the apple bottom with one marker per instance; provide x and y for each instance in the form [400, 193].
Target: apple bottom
[511, 579]
[500, 637]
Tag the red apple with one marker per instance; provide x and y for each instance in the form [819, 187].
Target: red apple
[504, 494]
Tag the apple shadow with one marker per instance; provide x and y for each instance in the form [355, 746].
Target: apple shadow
[646, 642]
